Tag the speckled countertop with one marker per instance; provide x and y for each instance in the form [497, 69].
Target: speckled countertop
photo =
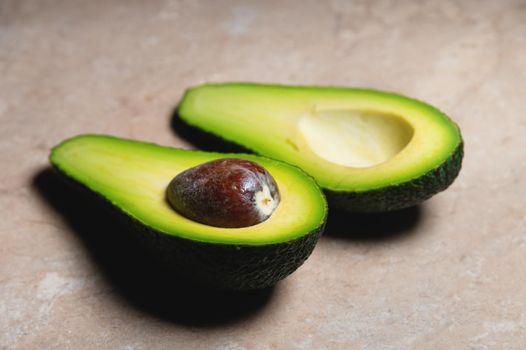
[447, 275]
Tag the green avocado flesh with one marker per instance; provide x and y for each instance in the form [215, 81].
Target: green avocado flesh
[133, 177]
[369, 150]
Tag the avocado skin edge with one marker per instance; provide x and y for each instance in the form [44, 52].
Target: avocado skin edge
[402, 195]
[390, 198]
[232, 267]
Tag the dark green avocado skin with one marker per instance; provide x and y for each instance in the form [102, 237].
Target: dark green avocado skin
[231, 267]
[210, 265]
[404, 195]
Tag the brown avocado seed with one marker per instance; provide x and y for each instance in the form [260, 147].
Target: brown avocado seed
[227, 192]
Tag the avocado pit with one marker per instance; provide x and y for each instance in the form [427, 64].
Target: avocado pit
[227, 192]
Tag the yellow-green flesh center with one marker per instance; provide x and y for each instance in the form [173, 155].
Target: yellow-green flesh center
[354, 138]
[134, 176]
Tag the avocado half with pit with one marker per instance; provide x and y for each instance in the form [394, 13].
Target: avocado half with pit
[371, 151]
[133, 176]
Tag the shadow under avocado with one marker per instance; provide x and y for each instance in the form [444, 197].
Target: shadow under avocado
[390, 226]
[134, 274]
[201, 139]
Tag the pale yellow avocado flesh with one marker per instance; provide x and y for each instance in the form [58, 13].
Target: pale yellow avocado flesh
[354, 139]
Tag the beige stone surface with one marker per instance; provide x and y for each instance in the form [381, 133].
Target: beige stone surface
[448, 275]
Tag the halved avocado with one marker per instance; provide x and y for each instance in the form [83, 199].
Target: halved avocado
[371, 151]
[132, 176]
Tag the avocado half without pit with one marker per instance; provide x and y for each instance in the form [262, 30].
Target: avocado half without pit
[260, 221]
[371, 151]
